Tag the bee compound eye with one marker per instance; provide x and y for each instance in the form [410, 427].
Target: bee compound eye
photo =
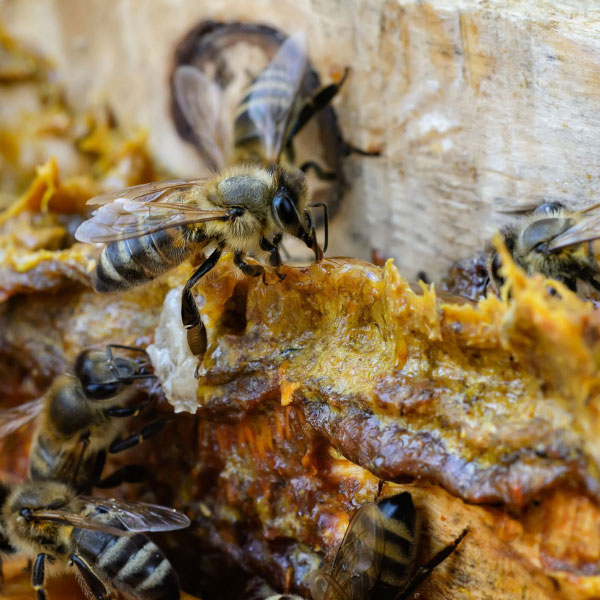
[284, 209]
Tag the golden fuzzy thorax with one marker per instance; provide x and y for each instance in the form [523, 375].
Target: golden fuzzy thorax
[252, 188]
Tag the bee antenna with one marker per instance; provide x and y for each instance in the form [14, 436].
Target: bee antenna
[325, 222]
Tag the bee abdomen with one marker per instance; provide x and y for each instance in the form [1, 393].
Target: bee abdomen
[401, 531]
[132, 564]
[136, 261]
[147, 572]
[272, 89]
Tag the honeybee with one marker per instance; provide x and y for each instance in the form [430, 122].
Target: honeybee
[377, 557]
[245, 208]
[81, 417]
[103, 539]
[556, 242]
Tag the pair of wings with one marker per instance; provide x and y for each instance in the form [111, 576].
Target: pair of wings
[152, 207]
[357, 564]
[200, 101]
[135, 517]
[587, 229]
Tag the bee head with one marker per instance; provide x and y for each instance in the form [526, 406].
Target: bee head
[18, 512]
[290, 207]
[100, 377]
[540, 232]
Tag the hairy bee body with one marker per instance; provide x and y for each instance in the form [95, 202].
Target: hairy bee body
[249, 188]
[65, 416]
[138, 260]
[246, 208]
[75, 428]
[555, 242]
[105, 558]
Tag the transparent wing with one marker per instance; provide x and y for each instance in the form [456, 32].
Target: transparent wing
[200, 102]
[139, 516]
[357, 564]
[272, 118]
[324, 587]
[145, 209]
[586, 230]
[12, 419]
[145, 192]
[75, 520]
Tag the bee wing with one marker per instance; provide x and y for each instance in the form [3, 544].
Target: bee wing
[586, 230]
[12, 419]
[324, 587]
[139, 516]
[200, 102]
[145, 192]
[145, 209]
[75, 520]
[358, 560]
[272, 118]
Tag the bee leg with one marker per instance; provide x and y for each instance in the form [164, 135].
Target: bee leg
[274, 257]
[425, 570]
[92, 581]
[126, 474]
[245, 268]
[109, 349]
[190, 316]
[313, 105]
[99, 466]
[37, 575]
[146, 432]
[318, 170]
[126, 411]
[85, 442]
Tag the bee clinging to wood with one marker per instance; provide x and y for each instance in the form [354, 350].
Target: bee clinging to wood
[81, 418]
[556, 242]
[377, 557]
[246, 208]
[103, 540]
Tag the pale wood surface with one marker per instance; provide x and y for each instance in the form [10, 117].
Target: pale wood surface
[474, 104]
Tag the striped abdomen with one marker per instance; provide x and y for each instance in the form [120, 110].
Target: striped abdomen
[135, 261]
[401, 528]
[132, 564]
[272, 93]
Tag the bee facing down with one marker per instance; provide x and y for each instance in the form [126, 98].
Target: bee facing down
[556, 242]
[103, 539]
[81, 418]
[378, 555]
[246, 208]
